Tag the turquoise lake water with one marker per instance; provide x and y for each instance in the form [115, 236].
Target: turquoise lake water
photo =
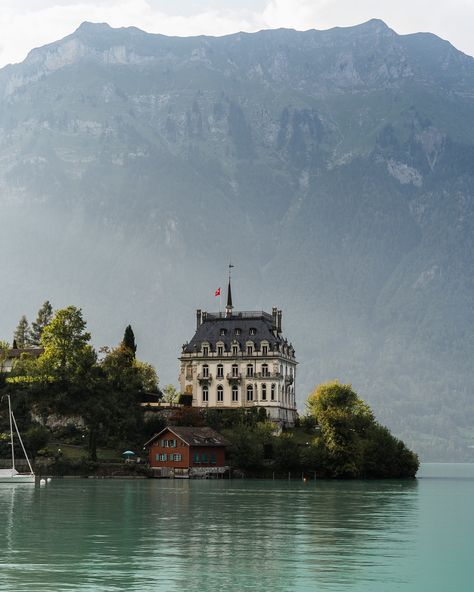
[160, 535]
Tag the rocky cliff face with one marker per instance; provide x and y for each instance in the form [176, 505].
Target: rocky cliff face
[336, 168]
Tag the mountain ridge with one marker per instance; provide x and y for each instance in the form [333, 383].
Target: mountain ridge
[334, 166]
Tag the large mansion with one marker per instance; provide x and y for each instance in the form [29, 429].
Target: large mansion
[240, 359]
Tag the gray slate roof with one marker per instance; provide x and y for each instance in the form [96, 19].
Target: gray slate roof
[210, 332]
[194, 436]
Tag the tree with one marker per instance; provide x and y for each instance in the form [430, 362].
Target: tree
[4, 353]
[356, 445]
[67, 354]
[169, 394]
[45, 314]
[22, 335]
[128, 340]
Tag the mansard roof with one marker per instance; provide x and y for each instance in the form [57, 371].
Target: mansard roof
[255, 326]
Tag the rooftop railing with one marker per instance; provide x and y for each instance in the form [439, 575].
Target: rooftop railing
[245, 314]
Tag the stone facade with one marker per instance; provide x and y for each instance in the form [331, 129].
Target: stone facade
[241, 359]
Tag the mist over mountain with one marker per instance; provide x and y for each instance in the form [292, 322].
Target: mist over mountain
[335, 168]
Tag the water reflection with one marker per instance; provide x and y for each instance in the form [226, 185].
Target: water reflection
[199, 536]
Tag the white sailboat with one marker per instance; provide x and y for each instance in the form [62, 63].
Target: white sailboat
[12, 475]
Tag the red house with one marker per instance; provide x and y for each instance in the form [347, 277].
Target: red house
[187, 452]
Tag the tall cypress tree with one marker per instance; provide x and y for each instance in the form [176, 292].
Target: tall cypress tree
[22, 333]
[45, 314]
[128, 340]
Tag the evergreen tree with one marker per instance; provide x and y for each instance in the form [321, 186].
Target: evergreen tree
[22, 336]
[45, 315]
[129, 340]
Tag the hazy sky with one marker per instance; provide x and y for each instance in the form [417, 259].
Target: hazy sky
[25, 24]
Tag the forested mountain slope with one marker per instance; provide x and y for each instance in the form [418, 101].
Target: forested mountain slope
[335, 167]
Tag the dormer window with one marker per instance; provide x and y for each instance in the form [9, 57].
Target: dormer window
[205, 350]
[264, 350]
[238, 331]
[220, 350]
[223, 331]
[235, 350]
[253, 331]
[249, 350]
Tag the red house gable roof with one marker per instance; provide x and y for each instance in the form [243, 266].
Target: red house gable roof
[193, 436]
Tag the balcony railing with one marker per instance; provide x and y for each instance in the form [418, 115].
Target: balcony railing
[234, 377]
[204, 378]
[271, 375]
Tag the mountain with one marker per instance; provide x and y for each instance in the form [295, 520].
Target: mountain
[335, 168]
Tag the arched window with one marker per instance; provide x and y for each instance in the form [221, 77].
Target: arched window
[205, 394]
[250, 370]
[220, 371]
[249, 392]
[205, 371]
[273, 390]
[264, 392]
[235, 393]
[265, 370]
[220, 393]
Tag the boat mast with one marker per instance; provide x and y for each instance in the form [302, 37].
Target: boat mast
[11, 431]
[21, 442]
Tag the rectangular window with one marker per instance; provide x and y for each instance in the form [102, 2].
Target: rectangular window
[196, 458]
[250, 371]
[157, 457]
[163, 456]
[171, 443]
[205, 395]
[220, 351]
[235, 350]
[249, 350]
[220, 371]
[204, 457]
[213, 458]
[235, 394]
[220, 396]
[264, 350]
[235, 371]
[205, 351]
[177, 457]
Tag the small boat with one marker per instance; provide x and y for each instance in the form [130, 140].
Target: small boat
[12, 475]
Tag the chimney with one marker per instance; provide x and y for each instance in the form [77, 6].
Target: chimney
[198, 318]
[279, 321]
[274, 316]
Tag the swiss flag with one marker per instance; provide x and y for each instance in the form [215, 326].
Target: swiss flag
[217, 292]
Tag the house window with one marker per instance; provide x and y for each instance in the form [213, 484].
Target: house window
[249, 370]
[264, 392]
[163, 456]
[223, 331]
[220, 350]
[249, 350]
[249, 392]
[235, 393]
[213, 458]
[235, 370]
[238, 331]
[204, 457]
[172, 443]
[220, 371]
[273, 392]
[205, 371]
[205, 394]
[196, 458]
[264, 350]
[220, 393]
[205, 350]
[177, 457]
[235, 350]
[253, 331]
[265, 370]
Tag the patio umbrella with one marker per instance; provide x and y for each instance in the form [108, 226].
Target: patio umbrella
[128, 453]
